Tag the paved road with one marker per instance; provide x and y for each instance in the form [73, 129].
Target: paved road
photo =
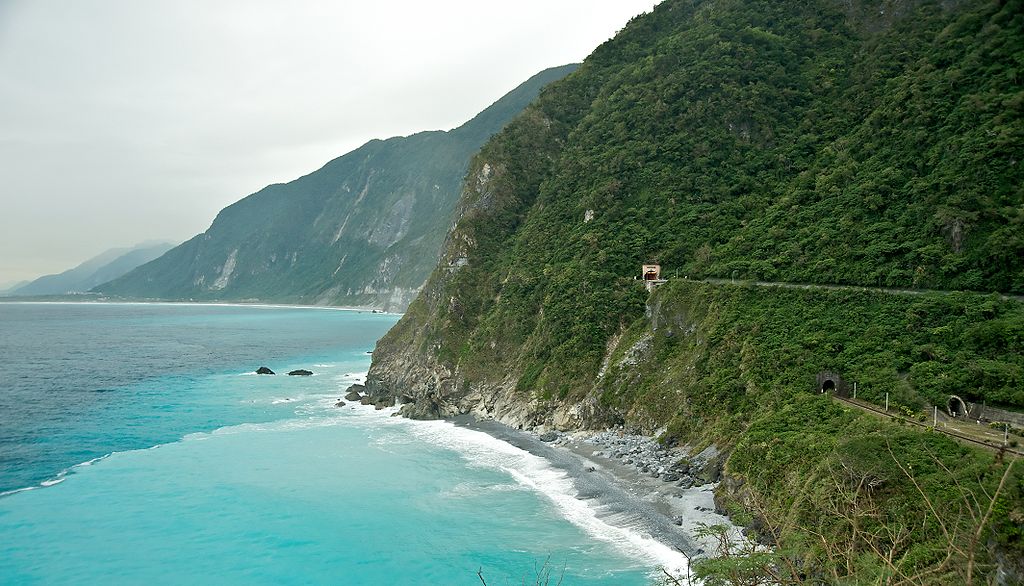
[783, 285]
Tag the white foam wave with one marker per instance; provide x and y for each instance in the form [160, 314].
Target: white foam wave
[91, 462]
[57, 478]
[17, 490]
[99, 303]
[318, 409]
[352, 378]
[270, 426]
[473, 490]
[535, 473]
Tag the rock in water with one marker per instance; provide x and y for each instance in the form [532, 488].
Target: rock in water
[549, 436]
[264, 370]
[340, 404]
[300, 372]
[354, 392]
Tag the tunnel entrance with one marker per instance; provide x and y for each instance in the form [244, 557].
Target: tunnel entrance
[829, 381]
[956, 407]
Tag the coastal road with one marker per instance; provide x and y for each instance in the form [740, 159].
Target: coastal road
[826, 287]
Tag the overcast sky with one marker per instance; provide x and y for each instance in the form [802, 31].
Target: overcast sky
[123, 121]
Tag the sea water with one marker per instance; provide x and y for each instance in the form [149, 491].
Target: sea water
[138, 447]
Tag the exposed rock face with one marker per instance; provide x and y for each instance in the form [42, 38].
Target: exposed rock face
[264, 370]
[706, 467]
[425, 408]
[300, 372]
[364, 230]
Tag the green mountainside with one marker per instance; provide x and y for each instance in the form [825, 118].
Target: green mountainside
[860, 143]
[365, 229]
[104, 267]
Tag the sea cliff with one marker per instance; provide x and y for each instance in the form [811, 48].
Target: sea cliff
[828, 189]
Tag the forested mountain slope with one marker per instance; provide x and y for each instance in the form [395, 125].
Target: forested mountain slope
[854, 142]
[365, 229]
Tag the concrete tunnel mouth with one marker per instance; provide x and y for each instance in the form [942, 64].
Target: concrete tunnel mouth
[956, 407]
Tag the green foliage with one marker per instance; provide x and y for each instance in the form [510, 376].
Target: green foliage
[804, 142]
[776, 140]
[740, 362]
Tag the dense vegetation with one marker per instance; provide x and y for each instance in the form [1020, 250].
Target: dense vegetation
[861, 143]
[730, 350]
[621, 139]
[365, 229]
[735, 365]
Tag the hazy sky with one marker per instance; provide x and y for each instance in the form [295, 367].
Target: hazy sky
[125, 120]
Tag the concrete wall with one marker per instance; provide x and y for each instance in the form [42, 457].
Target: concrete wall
[977, 411]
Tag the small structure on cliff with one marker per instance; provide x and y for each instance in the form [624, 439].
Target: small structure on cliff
[652, 276]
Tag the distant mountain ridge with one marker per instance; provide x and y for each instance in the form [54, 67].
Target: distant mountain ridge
[9, 287]
[99, 269]
[366, 229]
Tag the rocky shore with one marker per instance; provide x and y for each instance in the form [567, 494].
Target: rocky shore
[651, 458]
[631, 479]
[664, 492]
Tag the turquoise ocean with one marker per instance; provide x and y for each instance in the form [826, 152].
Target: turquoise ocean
[137, 447]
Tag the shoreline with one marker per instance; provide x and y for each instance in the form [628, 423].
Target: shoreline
[621, 495]
[208, 304]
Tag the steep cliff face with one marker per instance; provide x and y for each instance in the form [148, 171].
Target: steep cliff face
[851, 143]
[847, 143]
[365, 229]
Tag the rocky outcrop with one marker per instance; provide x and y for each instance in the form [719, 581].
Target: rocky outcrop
[300, 372]
[677, 465]
[264, 370]
[424, 408]
[355, 392]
